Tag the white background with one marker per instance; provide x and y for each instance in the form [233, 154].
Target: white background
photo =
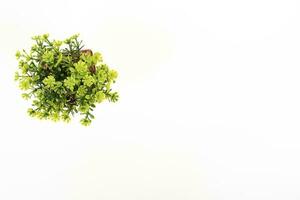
[209, 107]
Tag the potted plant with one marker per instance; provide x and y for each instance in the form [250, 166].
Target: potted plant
[61, 78]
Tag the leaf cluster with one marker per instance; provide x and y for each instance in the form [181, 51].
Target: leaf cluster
[62, 79]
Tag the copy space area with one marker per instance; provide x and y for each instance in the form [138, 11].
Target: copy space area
[209, 102]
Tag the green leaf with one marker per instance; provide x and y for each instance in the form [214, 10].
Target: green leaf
[24, 84]
[49, 81]
[17, 76]
[88, 80]
[75, 36]
[114, 97]
[69, 83]
[18, 55]
[60, 57]
[81, 91]
[85, 121]
[25, 96]
[84, 108]
[101, 75]
[55, 117]
[65, 117]
[97, 57]
[23, 67]
[57, 43]
[37, 37]
[31, 112]
[113, 74]
[81, 67]
[100, 96]
[48, 57]
[45, 36]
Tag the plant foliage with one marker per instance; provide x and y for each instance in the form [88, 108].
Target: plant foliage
[62, 79]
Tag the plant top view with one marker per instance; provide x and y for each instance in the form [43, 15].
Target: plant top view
[61, 78]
